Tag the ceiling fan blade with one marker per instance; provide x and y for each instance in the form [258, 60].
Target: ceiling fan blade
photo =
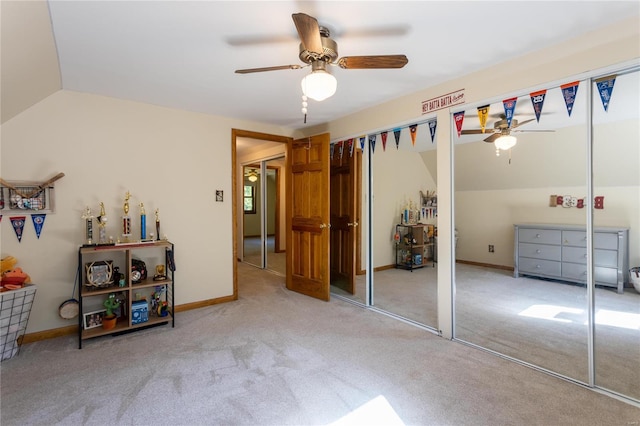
[309, 32]
[520, 123]
[477, 132]
[492, 138]
[376, 61]
[280, 67]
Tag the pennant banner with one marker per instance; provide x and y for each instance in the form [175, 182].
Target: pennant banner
[350, 146]
[483, 114]
[509, 108]
[414, 132]
[537, 100]
[432, 129]
[605, 87]
[340, 149]
[569, 92]
[362, 141]
[396, 134]
[372, 142]
[458, 117]
[332, 148]
[38, 223]
[383, 135]
[18, 225]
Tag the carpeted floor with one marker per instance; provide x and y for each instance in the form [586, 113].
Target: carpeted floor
[274, 357]
[540, 322]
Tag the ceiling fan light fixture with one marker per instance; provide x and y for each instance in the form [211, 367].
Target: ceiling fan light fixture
[505, 142]
[319, 85]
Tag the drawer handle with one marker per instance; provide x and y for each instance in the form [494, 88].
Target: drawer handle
[537, 235]
[538, 251]
[537, 266]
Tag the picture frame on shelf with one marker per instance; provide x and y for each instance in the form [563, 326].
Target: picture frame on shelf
[93, 319]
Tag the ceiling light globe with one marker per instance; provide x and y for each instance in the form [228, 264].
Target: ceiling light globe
[319, 85]
[505, 142]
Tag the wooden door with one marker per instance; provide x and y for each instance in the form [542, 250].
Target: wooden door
[308, 216]
[345, 219]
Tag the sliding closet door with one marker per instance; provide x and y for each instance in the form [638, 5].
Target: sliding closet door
[537, 317]
[616, 184]
[404, 223]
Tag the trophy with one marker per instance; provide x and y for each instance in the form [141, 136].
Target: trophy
[157, 225]
[143, 223]
[102, 225]
[126, 219]
[88, 217]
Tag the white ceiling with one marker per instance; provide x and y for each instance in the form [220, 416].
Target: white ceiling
[182, 54]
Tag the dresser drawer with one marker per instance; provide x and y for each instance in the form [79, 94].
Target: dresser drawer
[577, 272]
[540, 236]
[601, 240]
[539, 266]
[540, 251]
[608, 258]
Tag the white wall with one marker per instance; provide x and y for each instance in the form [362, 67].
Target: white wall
[169, 159]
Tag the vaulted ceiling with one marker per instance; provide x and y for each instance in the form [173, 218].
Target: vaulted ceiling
[183, 55]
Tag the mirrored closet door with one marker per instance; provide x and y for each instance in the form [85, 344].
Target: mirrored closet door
[514, 187]
[616, 183]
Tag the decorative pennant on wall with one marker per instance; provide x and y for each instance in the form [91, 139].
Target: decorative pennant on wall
[569, 92]
[396, 134]
[413, 129]
[483, 114]
[432, 129]
[383, 135]
[332, 148]
[18, 225]
[340, 149]
[509, 108]
[350, 146]
[38, 223]
[362, 141]
[372, 142]
[605, 88]
[458, 118]
[537, 100]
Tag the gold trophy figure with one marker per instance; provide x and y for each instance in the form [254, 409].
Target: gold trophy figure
[102, 225]
[126, 219]
[88, 217]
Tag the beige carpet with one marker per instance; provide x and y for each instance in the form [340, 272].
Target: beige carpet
[279, 358]
[540, 322]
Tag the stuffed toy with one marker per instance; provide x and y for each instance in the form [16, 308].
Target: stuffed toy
[12, 278]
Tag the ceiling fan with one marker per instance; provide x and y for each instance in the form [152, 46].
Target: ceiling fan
[318, 50]
[501, 133]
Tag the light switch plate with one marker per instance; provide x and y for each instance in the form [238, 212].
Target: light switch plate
[219, 195]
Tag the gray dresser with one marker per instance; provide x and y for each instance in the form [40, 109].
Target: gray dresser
[560, 252]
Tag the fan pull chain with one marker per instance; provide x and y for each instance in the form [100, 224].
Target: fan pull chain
[304, 108]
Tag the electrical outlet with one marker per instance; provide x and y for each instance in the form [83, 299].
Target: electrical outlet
[491, 248]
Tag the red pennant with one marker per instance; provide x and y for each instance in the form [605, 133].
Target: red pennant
[458, 117]
[384, 140]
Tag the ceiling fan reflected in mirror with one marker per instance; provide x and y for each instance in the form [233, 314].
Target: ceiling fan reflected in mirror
[319, 51]
[252, 175]
[501, 135]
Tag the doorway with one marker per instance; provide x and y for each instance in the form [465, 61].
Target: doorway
[262, 227]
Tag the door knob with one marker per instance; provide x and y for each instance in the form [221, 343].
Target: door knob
[324, 225]
[354, 224]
